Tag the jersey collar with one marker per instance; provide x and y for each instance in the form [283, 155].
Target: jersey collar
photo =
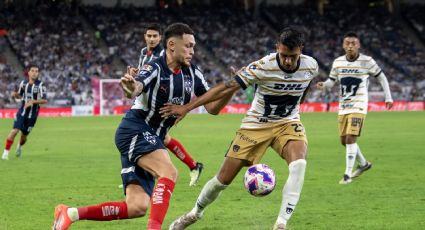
[163, 60]
[355, 59]
[283, 69]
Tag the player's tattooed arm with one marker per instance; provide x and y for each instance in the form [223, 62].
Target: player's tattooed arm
[130, 86]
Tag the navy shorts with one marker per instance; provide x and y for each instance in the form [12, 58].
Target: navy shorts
[24, 124]
[135, 139]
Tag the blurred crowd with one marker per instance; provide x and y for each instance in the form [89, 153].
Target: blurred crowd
[66, 44]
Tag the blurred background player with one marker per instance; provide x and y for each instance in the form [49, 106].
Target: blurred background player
[152, 51]
[33, 93]
[139, 138]
[282, 80]
[353, 70]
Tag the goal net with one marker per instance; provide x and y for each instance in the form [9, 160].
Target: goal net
[112, 99]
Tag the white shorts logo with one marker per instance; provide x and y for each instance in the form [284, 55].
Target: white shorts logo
[149, 137]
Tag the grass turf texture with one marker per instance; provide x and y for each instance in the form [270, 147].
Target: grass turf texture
[75, 161]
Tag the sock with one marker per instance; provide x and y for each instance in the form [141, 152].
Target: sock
[359, 157]
[101, 212]
[211, 190]
[351, 151]
[177, 148]
[292, 190]
[8, 144]
[160, 201]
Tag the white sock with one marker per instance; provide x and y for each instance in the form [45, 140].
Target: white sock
[351, 152]
[359, 157]
[73, 214]
[18, 146]
[211, 190]
[292, 190]
[5, 153]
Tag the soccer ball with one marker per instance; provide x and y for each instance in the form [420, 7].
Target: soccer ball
[259, 180]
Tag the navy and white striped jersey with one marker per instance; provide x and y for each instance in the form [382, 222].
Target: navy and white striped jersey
[161, 86]
[147, 56]
[27, 91]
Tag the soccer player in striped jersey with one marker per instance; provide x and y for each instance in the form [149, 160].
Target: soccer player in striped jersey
[152, 51]
[282, 79]
[139, 138]
[353, 71]
[33, 93]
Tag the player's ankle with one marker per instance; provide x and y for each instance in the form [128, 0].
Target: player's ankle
[73, 214]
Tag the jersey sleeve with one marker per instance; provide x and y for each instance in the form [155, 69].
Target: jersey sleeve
[333, 75]
[147, 75]
[374, 69]
[200, 85]
[141, 57]
[21, 89]
[316, 69]
[43, 91]
[249, 76]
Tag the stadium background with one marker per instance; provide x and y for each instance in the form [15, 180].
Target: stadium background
[78, 43]
[73, 160]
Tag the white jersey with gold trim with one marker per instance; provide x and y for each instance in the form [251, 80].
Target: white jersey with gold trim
[278, 92]
[353, 77]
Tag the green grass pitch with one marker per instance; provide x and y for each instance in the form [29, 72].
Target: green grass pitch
[75, 161]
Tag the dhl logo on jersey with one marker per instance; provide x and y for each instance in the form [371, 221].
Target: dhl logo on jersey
[289, 86]
[350, 71]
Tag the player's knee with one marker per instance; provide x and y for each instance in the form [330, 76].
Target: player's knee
[13, 133]
[167, 139]
[169, 172]
[350, 139]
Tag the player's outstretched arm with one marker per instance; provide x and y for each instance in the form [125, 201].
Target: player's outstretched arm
[220, 92]
[325, 84]
[215, 107]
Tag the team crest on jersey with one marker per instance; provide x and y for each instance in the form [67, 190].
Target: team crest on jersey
[187, 85]
[35, 89]
[307, 75]
[149, 138]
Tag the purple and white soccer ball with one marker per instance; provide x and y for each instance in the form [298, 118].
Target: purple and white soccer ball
[259, 180]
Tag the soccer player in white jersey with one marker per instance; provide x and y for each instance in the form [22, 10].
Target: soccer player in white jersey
[282, 79]
[152, 51]
[353, 70]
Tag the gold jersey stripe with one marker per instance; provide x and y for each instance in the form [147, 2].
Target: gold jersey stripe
[275, 79]
[353, 61]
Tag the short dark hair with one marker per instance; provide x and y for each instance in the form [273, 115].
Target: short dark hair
[153, 26]
[176, 30]
[32, 65]
[291, 37]
[351, 34]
